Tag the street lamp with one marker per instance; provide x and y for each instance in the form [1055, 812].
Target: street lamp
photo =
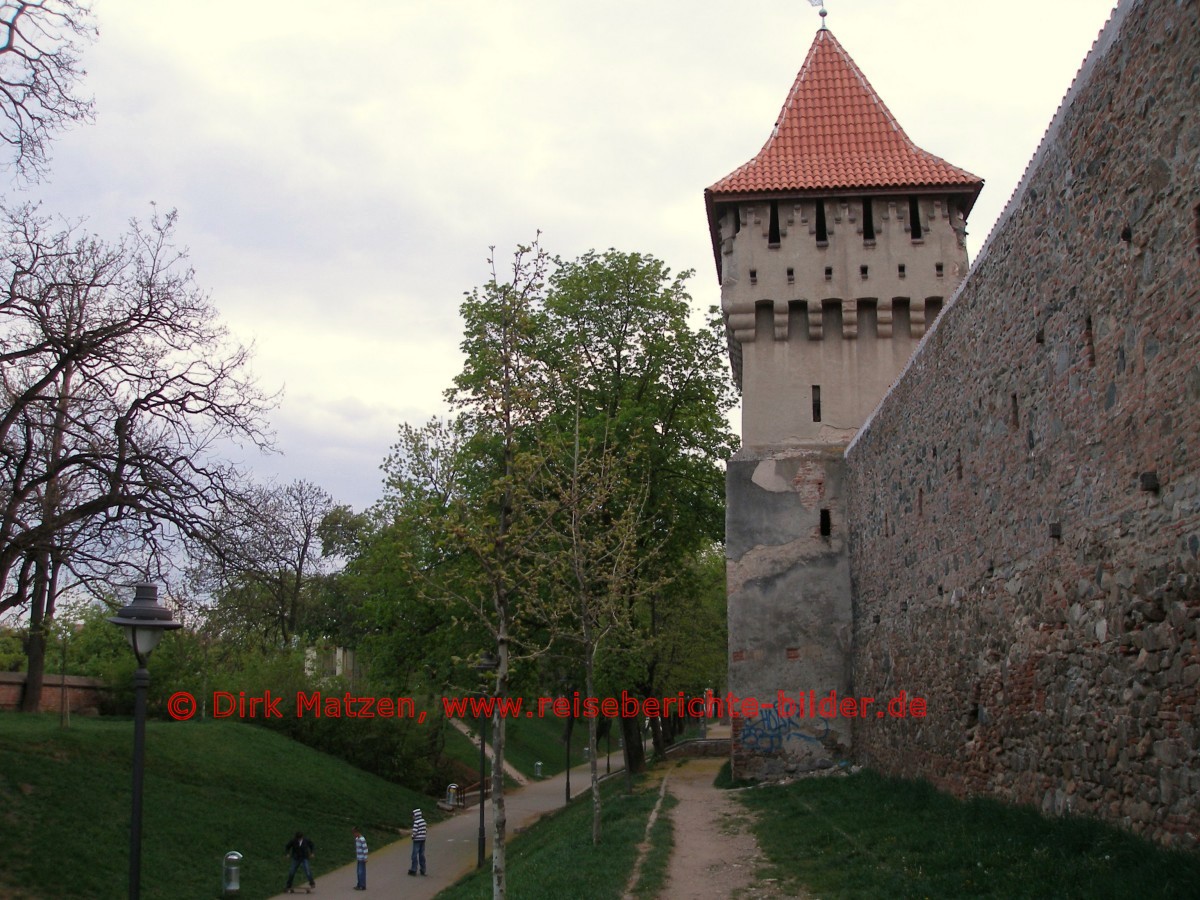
[144, 622]
[486, 664]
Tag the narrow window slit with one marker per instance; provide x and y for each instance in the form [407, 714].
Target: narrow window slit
[868, 220]
[914, 219]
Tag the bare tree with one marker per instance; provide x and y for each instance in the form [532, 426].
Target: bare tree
[118, 384]
[263, 558]
[594, 509]
[39, 72]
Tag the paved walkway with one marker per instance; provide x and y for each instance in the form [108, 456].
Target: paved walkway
[509, 769]
[452, 848]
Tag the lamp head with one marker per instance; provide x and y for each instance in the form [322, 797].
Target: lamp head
[144, 621]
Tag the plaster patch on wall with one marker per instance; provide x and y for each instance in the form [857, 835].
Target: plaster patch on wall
[766, 476]
[768, 561]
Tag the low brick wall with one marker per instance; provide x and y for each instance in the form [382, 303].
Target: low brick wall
[85, 696]
[699, 747]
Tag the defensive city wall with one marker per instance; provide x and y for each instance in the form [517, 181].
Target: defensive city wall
[1024, 506]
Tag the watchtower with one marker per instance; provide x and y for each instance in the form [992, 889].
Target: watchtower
[835, 248]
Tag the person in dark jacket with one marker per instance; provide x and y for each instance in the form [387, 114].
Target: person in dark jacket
[419, 831]
[301, 850]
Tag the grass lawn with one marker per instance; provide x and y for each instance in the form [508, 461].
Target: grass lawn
[554, 858]
[210, 787]
[653, 874]
[867, 836]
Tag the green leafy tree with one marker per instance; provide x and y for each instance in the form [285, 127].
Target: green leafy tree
[620, 330]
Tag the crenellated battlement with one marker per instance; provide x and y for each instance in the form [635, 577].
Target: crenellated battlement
[864, 254]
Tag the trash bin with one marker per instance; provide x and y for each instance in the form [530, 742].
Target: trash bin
[452, 795]
[231, 874]
[537, 769]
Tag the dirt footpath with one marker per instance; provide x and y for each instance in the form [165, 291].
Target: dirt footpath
[715, 855]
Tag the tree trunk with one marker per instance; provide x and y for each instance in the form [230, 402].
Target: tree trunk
[656, 732]
[635, 753]
[31, 697]
[589, 688]
[499, 819]
[570, 728]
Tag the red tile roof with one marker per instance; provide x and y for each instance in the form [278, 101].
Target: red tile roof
[834, 133]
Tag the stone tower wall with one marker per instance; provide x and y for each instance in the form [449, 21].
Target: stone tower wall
[1024, 506]
[844, 313]
[849, 333]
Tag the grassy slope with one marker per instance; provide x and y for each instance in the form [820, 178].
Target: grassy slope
[528, 741]
[209, 788]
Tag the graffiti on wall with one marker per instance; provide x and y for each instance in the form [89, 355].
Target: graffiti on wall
[770, 731]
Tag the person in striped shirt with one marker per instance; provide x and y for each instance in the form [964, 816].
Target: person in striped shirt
[360, 854]
[419, 831]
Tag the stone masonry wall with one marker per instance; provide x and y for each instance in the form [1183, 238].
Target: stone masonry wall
[1024, 506]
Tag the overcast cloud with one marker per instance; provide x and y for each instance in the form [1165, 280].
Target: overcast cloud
[340, 169]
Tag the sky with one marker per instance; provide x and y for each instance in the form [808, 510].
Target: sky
[340, 170]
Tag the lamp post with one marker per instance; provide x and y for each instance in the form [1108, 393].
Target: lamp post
[144, 622]
[486, 664]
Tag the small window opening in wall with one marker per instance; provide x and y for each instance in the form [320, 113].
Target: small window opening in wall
[1040, 337]
[737, 220]
[826, 524]
[791, 273]
[816, 402]
[1013, 416]
[862, 270]
[1089, 342]
[754, 276]
[958, 464]
[914, 219]
[868, 220]
[900, 270]
[829, 273]
[773, 227]
[920, 501]
[822, 229]
[939, 269]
